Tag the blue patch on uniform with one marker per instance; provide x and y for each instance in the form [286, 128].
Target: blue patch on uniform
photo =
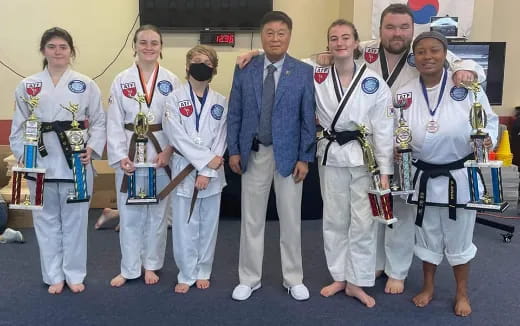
[77, 86]
[411, 59]
[216, 111]
[165, 87]
[370, 85]
[458, 93]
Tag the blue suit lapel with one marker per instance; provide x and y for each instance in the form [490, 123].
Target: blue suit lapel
[258, 80]
[284, 81]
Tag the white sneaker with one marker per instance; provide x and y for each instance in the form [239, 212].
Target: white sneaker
[11, 235]
[298, 292]
[243, 292]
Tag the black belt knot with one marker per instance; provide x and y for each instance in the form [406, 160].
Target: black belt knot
[430, 171]
[59, 127]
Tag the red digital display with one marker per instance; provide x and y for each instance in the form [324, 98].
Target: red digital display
[225, 38]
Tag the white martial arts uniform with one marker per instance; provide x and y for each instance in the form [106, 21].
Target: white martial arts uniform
[348, 231]
[395, 244]
[440, 235]
[194, 242]
[61, 228]
[143, 227]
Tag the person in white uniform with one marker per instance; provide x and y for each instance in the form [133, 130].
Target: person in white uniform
[438, 115]
[142, 227]
[61, 227]
[348, 94]
[195, 125]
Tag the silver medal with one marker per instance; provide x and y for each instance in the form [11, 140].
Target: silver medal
[432, 126]
[150, 116]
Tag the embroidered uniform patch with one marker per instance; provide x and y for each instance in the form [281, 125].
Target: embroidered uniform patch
[406, 98]
[129, 89]
[165, 87]
[320, 74]
[77, 86]
[371, 54]
[370, 85]
[411, 59]
[458, 93]
[217, 111]
[33, 89]
[185, 108]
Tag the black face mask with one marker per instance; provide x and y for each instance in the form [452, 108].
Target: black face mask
[200, 71]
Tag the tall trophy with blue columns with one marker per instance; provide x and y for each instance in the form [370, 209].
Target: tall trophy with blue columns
[142, 185]
[403, 138]
[380, 200]
[77, 144]
[478, 121]
[31, 134]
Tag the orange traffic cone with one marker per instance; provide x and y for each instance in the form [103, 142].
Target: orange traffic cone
[503, 152]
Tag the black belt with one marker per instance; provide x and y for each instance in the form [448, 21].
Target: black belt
[341, 138]
[434, 171]
[59, 127]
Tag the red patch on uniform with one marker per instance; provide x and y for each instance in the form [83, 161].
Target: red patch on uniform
[371, 54]
[185, 108]
[406, 98]
[320, 74]
[33, 89]
[129, 89]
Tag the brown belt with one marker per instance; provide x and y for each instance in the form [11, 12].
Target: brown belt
[131, 151]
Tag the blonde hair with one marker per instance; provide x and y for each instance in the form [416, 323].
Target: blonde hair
[205, 50]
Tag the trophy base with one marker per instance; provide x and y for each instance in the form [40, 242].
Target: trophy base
[402, 192]
[76, 200]
[142, 201]
[145, 165]
[494, 207]
[489, 164]
[28, 170]
[26, 207]
[384, 221]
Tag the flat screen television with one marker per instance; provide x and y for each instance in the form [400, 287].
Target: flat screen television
[199, 15]
[491, 56]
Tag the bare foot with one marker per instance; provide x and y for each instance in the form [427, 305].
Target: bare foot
[202, 284]
[76, 288]
[150, 277]
[56, 288]
[360, 294]
[462, 307]
[118, 281]
[107, 214]
[182, 288]
[332, 289]
[394, 286]
[423, 298]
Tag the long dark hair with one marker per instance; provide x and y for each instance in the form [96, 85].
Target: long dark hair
[56, 32]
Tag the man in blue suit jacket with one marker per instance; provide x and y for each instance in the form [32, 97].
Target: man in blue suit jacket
[271, 137]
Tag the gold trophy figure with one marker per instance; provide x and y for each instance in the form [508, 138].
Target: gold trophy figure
[147, 182]
[478, 121]
[32, 133]
[380, 200]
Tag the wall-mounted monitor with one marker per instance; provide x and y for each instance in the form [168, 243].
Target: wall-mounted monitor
[199, 15]
[491, 56]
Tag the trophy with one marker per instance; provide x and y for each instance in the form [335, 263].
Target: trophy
[403, 137]
[144, 175]
[75, 137]
[380, 200]
[32, 133]
[478, 121]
